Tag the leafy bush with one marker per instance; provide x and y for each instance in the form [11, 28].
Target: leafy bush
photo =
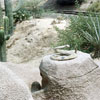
[34, 7]
[27, 9]
[21, 15]
[83, 33]
[94, 7]
[93, 34]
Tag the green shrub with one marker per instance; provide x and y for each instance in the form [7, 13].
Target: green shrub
[34, 7]
[94, 7]
[27, 9]
[93, 34]
[21, 15]
[83, 33]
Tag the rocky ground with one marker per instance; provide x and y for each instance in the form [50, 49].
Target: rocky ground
[32, 40]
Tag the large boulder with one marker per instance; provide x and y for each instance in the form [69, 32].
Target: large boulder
[11, 86]
[26, 72]
[76, 79]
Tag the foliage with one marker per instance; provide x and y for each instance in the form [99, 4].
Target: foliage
[83, 32]
[94, 7]
[21, 15]
[27, 9]
[93, 35]
[75, 40]
[34, 7]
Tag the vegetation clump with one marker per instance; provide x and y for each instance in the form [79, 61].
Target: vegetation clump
[28, 9]
[34, 7]
[21, 15]
[83, 34]
[94, 7]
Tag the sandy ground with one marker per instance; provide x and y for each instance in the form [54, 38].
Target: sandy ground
[31, 41]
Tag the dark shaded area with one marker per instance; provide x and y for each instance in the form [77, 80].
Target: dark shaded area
[66, 2]
[35, 87]
[51, 4]
[44, 81]
[60, 4]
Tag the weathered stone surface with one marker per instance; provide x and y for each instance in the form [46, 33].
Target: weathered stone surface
[77, 79]
[11, 86]
[26, 72]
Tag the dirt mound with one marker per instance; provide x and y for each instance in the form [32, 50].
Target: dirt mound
[32, 38]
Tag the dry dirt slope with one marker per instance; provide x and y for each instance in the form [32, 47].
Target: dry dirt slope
[33, 38]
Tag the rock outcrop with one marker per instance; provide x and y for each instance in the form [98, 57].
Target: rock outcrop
[76, 79]
[11, 86]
